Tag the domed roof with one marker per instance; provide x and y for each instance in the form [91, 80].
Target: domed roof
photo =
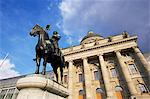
[91, 37]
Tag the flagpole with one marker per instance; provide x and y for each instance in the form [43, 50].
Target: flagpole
[4, 59]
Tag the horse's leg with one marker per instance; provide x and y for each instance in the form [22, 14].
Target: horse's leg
[55, 71]
[44, 66]
[38, 59]
[61, 74]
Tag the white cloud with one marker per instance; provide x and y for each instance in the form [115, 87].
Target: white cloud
[109, 17]
[7, 69]
[69, 7]
[50, 6]
[69, 40]
[58, 24]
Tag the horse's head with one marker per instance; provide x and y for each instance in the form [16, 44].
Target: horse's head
[56, 35]
[36, 30]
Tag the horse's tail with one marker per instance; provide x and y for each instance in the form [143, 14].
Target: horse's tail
[34, 59]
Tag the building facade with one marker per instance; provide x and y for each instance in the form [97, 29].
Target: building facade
[102, 68]
[112, 68]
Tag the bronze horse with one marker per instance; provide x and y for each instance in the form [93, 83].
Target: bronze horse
[46, 49]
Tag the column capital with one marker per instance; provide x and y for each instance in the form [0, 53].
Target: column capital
[100, 54]
[135, 47]
[117, 51]
[84, 58]
[118, 54]
[69, 61]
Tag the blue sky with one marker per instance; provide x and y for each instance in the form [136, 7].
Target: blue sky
[72, 19]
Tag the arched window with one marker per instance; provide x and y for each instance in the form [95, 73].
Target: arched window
[119, 90]
[143, 88]
[81, 94]
[99, 93]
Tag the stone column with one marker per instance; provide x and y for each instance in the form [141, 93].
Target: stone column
[106, 77]
[70, 81]
[142, 59]
[126, 74]
[87, 79]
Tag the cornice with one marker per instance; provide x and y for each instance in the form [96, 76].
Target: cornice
[134, 38]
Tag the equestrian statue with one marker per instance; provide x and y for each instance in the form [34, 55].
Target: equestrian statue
[48, 50]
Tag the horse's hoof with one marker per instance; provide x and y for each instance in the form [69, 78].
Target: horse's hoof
[36, 72]
[43, 73]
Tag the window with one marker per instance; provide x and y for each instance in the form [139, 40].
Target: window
[10, 93]
[80, 78]
[15, 94]
[143, 88]
[81, 94]
[133, 69]
[65, 79]
[99, 90]
[119, 90]
[113, 72]
[99, 93]
[3, 93]
[96, 75]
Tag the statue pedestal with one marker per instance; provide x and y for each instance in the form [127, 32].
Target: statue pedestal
[38, 87]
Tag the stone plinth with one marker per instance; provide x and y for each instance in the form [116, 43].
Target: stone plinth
[38, 87]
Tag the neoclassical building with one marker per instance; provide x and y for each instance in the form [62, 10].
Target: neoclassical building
[107, 68]
[100, 68]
